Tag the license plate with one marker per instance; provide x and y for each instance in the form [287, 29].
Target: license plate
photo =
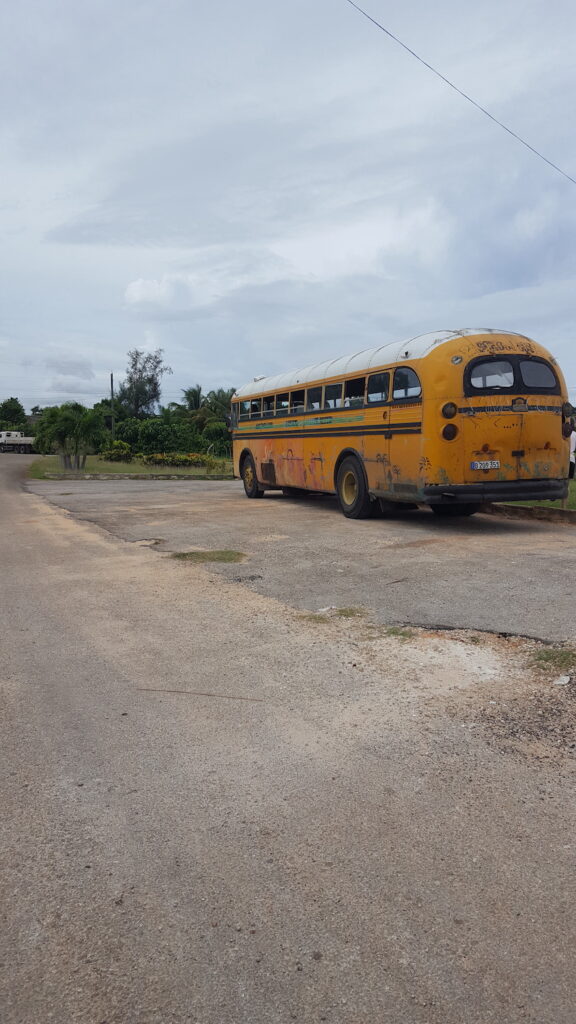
[486, 464]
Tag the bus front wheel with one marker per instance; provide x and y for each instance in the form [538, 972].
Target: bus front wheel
[353, 496]
[249, 479]
[451, 511]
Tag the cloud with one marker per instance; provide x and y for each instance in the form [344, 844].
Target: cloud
[281, 194]
[65, 386]
[70, 366]
[212, 274]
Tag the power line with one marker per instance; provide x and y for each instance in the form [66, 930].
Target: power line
[461, 93]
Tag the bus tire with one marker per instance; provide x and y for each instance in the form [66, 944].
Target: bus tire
[249, 478]
[352, 491]
[453, 511]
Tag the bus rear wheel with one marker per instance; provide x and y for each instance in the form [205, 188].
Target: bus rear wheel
[249, 478]
[353, 496]
[453, 511]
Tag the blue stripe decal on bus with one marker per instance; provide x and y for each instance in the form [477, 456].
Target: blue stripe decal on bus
[471, 409]
[386, 432]
[297, 425]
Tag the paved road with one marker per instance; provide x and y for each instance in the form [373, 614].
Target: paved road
[322, 827]
[482, 573]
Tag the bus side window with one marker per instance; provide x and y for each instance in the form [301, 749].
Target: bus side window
[354, 392]
[282, 404]
[333, 396]
[244, 410]
[268, 405]
[256, 408]
[297, 401]
[406, 384]
[378, 386]
[314, 398]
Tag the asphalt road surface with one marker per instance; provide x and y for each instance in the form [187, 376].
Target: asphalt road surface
[219, 809]
[487, 573]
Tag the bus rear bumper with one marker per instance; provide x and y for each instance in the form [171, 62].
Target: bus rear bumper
[496, 490]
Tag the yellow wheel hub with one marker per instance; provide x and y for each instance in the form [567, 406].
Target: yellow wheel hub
[349, 488]
[249, 475]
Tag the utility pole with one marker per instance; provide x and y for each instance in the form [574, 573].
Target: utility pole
[112, 402]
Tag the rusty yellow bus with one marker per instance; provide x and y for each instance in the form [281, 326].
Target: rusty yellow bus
[450, 420]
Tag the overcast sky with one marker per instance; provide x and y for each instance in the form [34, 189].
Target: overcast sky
[254, 186]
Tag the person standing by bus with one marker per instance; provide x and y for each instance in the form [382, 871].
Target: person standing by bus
[572, 451]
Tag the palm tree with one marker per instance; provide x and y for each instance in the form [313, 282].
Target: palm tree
[72, 430]
[193, 401]
[194, 398]
[219, 401]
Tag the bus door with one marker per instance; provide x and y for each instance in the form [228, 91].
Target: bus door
[509, 433]
[405, 432]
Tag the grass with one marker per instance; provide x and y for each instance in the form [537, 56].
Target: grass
[402, 634]
[49, 468]
[342, 613]
[561, 659]
[555, 504]
[209, 556]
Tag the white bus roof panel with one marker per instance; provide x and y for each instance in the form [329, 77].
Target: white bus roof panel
[359, 362]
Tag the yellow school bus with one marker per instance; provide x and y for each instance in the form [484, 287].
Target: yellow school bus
[450, 420]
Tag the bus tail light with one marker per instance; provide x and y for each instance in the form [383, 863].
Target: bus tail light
[449, 410]
[450, 431]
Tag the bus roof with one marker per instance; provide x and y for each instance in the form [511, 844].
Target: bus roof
[393, 352]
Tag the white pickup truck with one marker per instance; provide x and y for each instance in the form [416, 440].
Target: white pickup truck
[15, 441]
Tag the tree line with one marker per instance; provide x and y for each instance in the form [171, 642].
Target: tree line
[136, 417]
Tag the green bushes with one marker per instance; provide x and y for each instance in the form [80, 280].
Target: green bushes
[118, 451]
[197, 459]
[155, 435]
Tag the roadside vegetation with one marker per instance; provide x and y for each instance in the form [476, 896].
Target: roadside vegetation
[225, 555]
[50, 468]
[132, 432]
[556, 658]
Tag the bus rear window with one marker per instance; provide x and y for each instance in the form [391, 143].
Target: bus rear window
[537, 375]
[492, 374]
